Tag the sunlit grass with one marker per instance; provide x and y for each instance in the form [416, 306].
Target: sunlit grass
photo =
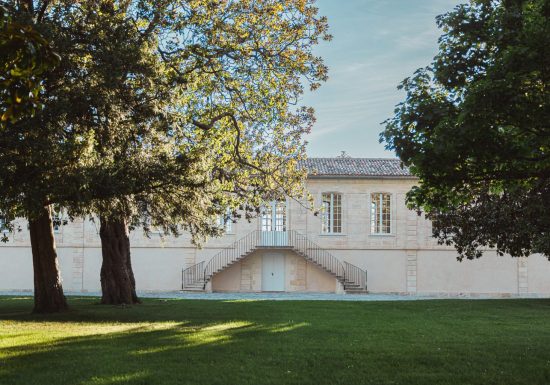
[286, 327]
[276, 342]
[117, 379]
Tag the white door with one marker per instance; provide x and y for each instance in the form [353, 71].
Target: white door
[273, 272]
[274, 225]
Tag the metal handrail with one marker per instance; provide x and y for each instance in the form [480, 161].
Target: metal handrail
[231, 254]
[355, 276]
[192, 275]
[317, 254]
[346, 273]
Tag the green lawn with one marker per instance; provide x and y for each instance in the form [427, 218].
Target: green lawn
[273, 342]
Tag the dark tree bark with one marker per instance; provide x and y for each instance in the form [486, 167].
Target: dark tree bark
[117, 278]
[48, 291]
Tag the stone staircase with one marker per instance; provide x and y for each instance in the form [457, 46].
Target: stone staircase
[352, 278]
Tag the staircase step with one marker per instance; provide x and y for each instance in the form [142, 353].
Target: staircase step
[246, 246]
[194, 289]
[357, 290]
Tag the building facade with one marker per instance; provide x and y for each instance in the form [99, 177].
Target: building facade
[363, 238]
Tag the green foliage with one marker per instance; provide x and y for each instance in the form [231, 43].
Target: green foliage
[474, 127]
[24, 57]
[167, 112]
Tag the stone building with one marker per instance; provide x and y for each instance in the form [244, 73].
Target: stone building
[364, 238]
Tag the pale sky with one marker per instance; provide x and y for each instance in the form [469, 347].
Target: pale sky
[377, 43]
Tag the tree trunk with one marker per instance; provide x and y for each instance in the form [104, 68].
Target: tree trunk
[117, 278]
[48, 291]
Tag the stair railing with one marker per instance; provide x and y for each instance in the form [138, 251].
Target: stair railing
[202, 272]
[231, 254]
[193, 275]
[355, 276]
[317, 254]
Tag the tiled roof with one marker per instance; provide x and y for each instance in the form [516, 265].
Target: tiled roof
[356, 167]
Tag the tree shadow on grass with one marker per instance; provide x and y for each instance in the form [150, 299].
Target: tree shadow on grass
[158, 353]
[89, 309]
[165, 342]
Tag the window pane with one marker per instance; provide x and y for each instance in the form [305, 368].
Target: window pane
[56, 220]
[332, 213]
[266, 219]
[3, 227]
[375, 210]
[228, 224]
[374, 213]
[226, 221]
[337, 213]
[326, 213]
[380, 213]
[386, 214]
[280, 216]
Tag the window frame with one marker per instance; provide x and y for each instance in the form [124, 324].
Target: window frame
[153, 230]
[329, 224]
[3, 225]
[225, 222]
[57, 216]
[275, 216]
[378, 215]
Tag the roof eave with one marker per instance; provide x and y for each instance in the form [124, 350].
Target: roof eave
[336, 176]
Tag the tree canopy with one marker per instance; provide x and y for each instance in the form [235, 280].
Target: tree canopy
[475, 128]
[163, 113]
[146, 90]
[24, 56]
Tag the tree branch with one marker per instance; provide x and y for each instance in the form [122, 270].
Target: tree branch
[210, 125]
[42, 10]
[28, 5]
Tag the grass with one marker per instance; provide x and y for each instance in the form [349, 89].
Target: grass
[272, 342]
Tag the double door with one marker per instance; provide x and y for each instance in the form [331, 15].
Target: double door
[274, 225]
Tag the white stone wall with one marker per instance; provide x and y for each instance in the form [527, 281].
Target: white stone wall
[407, 261]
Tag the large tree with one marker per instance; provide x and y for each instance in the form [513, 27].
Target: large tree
[164, 113]
[475, 129]
[235, 70]
[41, 150]
[26, 57]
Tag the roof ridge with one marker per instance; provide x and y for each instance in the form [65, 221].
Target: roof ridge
[351, 158]
[356, 166]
